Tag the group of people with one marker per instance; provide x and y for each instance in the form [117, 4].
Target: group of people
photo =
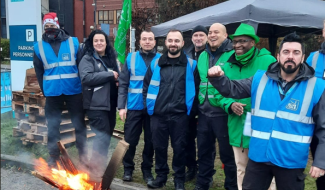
[217, 88]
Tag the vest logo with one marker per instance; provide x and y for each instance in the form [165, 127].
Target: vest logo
[221, 64]
[66, 57]
[293, 104]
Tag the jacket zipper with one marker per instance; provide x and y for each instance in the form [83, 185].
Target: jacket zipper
[171, 88]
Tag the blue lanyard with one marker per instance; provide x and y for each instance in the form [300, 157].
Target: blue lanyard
[289, 91]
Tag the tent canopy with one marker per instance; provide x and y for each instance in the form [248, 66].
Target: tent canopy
[270, 18]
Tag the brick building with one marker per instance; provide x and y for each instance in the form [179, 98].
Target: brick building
[107, 12]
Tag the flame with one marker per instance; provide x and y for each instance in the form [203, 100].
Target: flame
[63, 178]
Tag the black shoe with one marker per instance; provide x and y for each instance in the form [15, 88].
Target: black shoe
[179, 186]
[147, 176]
[190, 174]
[127, 176]
[155, 184]
[53, 161]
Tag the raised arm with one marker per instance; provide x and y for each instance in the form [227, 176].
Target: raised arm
[237, 89]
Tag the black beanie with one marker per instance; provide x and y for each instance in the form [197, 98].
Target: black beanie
[199, 28]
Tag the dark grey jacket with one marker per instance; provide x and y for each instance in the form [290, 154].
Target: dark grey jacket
[124, 78]
[191, 53]
[96, 79]
[239, 89]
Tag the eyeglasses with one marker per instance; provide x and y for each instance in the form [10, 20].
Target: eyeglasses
[241, 42]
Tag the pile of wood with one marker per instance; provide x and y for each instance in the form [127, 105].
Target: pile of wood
[69, 167]
[29, 110]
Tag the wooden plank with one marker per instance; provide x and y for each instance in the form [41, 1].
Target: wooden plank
[65, 159]
[45, 179]
[114, 164]
[16, 132]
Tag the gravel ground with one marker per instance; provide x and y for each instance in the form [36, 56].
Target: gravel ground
[11, 179]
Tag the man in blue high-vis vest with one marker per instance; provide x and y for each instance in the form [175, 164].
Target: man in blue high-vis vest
[317, 61]
[288, 107]
[169, 89]
[57, 73]
[131, 108]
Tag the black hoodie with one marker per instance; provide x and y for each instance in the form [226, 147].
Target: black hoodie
[171, 96]
[242, 89]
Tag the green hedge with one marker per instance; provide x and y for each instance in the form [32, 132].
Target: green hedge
[5, 49]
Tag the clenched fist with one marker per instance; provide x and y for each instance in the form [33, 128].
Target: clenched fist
[215, 71]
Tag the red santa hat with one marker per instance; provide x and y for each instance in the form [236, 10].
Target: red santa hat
[51, 18]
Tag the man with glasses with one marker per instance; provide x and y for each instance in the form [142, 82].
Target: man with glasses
[131, 108]
[57, 74]
[244, 61]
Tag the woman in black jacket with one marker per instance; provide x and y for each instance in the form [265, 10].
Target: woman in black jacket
[98, 73]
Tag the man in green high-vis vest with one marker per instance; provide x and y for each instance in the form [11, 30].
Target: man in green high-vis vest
[243, 63]
[212, 120]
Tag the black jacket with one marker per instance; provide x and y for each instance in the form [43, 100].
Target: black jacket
[206, 108]
[242, 89]
[98, 83]
[171, 96]
[191, 53]
[55, 44]
[124, 78]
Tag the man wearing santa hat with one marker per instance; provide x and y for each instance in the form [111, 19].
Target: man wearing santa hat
[57, 73]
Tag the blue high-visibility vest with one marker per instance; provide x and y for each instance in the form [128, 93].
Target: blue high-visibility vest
[317, 61]
[60, 72]
[153, 89]
[283, 129]
[137, 69]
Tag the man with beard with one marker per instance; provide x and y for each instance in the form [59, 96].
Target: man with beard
[212, 122]
[130, 105]
[169, 90]
[317, 61]
[57, 74]
[244, 61]
[287, 108]
[199, 39]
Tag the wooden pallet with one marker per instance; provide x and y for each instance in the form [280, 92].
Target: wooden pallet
[30, 98]
[28, 108]
[42, 139]
[35, 118]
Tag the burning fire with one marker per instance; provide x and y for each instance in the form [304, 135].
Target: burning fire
[64, 179]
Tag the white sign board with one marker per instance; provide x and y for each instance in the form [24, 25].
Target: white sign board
[23, 13]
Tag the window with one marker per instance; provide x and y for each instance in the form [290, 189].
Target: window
[118, 14]
[106, 17]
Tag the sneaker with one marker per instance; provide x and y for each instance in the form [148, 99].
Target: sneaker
[127, 176]
[147, 176]
[154, 184]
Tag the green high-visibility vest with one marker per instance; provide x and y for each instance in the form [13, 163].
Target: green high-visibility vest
[206, 87]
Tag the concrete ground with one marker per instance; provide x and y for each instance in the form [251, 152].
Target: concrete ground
[16, 174]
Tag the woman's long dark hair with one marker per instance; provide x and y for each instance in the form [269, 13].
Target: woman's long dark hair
[109, 51]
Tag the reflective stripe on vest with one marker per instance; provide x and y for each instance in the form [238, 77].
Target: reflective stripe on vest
[315, 58]
[134, 90]
[62, 76]
[64, 63]
[301, 117]
[282, 136]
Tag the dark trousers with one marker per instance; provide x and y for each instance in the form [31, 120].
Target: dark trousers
[191, 144]
[173, 126]
[53, 110]
[320, 182]
[136, 120]
[209, 129]
[258, 176]
[102, 125]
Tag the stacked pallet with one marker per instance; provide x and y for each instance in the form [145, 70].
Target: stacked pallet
[30, 113]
